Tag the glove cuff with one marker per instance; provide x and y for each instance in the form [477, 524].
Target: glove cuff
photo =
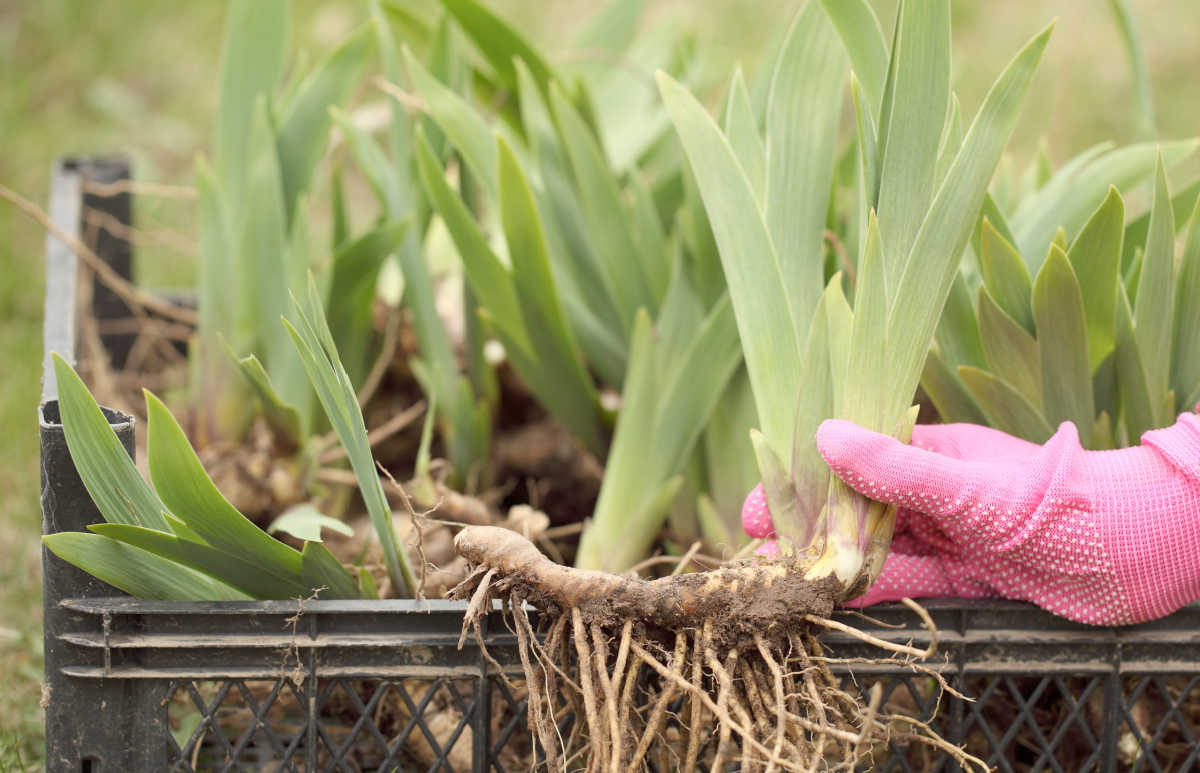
[1180, 444]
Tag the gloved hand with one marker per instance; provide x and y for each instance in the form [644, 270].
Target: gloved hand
[1101, 537]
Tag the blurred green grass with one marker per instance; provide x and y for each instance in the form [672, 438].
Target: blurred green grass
[131, 76]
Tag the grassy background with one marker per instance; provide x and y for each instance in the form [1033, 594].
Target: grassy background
[131, 76]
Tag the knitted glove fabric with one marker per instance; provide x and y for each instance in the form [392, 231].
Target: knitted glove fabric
[1101, 537]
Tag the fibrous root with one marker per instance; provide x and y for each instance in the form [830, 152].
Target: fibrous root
[690, 671]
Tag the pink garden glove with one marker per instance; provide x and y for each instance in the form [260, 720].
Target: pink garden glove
[1101, 537]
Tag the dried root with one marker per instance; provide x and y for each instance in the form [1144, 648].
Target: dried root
[686, 672]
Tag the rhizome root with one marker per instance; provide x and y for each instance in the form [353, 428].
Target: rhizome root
[687, 672]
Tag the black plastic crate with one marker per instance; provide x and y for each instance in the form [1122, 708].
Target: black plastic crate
[137, 685]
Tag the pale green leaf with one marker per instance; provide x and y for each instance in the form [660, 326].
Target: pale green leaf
[494, 286]
[991, 212]
[1012, 353]
[611, 518]
[1005, 275]
[379, 172]
[1137, 406]
[840, 321]
[933, 260]
[729, 455]
[862, 399]
[1137, 229]
[450, 65]
[958, 333]
[752, 270]
[1068, 199]
[681, 313]
[1060, 239]
[693, 383]
[574, 399]
[1006, 409]
[282, 417]
[793, 517]
[804, 495]
[862, 36]
[868, 145]
[499, 43]
[803, 113]
[1131, 40]
[920, 101]
[952, 136]
[741, 127]
[216, 263]
[611, 28]
[1104, 388]
[1096, 258]
[431, 335]
[1185, 327]
[946, 390]
[261, 260]
[587, 292]
[341, 227]
[304, 120]
[314, 342]
[366, 585]
[1155, 294]
[1103, 437]
[488, 277]
[666, 413]
[638, 280]
[1133, 274]
[305, 522]
[459, 121]
[718, 531]
[252, 63]
[1063, 343]
[352, 277]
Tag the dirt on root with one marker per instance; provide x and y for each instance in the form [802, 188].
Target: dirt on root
[739, 601]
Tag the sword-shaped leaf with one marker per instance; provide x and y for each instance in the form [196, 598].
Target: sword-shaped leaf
[1062, 341]
[803, 113]
[948, 393]
[138, 572]
[282, 417]
[921, 62]
[461, 123]
[1005, 275]
[253, 56]
[104, 466]
[1096, 258]
[934, 257]
[752, 270]
[1137, 229]
[1185, 326]
[304, 120]
[1155, 294]
[1137, 406]
[314, 342]
[638, 279]
[862, 36]
[741, 127]
[1012, 354]
[499, 43]
[1006, 409]
[253, 577]
[189, 494]
[1075, 192]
